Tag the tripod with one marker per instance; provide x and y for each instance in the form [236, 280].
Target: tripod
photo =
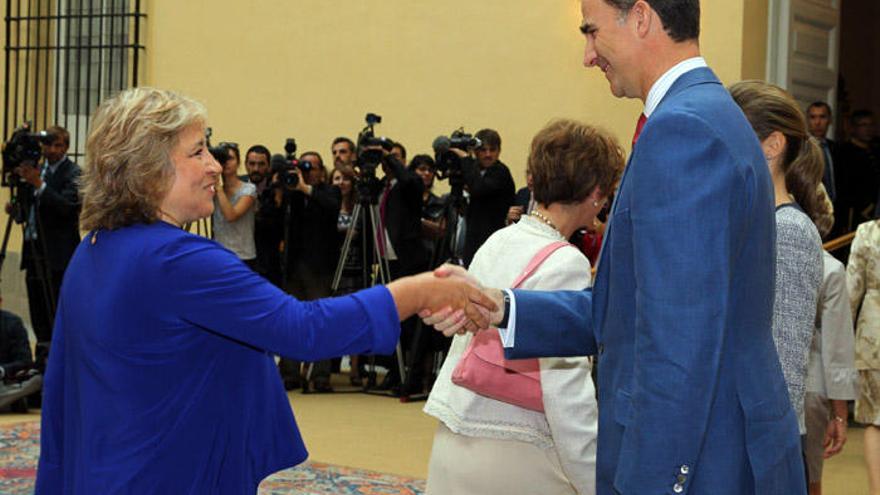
[365, 218]
[35, 241]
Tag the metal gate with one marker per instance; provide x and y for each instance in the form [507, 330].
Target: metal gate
[63, 57]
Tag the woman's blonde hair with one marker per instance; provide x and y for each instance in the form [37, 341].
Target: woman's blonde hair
[569, 159]
[770, 108]
[128, 155]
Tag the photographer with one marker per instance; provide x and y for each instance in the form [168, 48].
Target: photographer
[400, 211]
[15, 361]
[233, 216]
[51, 231]
[268, 227]
[311, 254]
[491, 190]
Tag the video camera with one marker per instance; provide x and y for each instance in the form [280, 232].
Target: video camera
[371, 151]
[447, 162]
[23, 148]
[285, 166]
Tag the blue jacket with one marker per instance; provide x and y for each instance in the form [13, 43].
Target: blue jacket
[691, 392]
[160, 377]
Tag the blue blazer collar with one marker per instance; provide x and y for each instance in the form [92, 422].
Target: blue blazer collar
[702, 75]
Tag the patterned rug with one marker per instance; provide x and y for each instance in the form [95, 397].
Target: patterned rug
[20, 448]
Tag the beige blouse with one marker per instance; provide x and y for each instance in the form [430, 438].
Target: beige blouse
[863, 282]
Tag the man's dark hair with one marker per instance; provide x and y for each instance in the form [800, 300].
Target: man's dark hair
[420, 160]
[820, 104]
[489, 137]
[260, 149]
[680, 18]
[343, 139]
[859, 115]
[58, 132]
[402, 151]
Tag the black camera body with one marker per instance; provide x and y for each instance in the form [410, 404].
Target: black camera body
[286, 167]
[23, 148]
[448, 163]
[371, 151]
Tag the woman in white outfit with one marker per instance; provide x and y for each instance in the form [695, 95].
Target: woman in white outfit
[485, 446]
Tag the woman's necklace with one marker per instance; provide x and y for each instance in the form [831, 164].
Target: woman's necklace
[535, 213]
[177, 223]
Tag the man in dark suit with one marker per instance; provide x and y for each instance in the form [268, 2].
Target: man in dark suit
[819, 120]
[400, 212]
[51, 232]
[491, 191]
[268, 221]
[312, 250]
[692, 399]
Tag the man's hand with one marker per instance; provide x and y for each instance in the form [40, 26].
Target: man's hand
[458, 295]
[835, 437]
[449, 321]
[30, 174]
[514, 214]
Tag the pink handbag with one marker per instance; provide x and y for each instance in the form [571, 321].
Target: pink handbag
[483, 369]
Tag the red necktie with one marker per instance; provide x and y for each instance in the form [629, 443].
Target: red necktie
[639, 126]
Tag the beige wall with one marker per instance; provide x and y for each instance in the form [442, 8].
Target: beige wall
[311, 69]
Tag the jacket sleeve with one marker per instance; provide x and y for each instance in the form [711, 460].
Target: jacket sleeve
[682, 251]
[409, 183]
[209, 287]
[838, 340]
[553, 324]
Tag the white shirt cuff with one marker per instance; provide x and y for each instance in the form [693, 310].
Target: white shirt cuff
[507, 334]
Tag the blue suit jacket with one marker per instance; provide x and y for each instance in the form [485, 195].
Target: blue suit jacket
[691, 391]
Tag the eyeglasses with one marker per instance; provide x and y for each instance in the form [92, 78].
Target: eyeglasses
[225, 144]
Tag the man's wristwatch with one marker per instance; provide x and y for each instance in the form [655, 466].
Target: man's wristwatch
[503, 323]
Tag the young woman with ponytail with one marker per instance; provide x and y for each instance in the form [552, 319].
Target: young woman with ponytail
[796, 164]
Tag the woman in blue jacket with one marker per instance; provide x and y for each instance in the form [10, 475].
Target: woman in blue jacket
[160, 377]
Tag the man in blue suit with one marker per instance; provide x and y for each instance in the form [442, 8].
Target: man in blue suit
[691, 393]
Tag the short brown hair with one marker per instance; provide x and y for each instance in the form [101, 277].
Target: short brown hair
[57, 132]
[128, 155]
[569, 159]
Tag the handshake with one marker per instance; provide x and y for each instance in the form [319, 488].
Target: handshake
[448, 298]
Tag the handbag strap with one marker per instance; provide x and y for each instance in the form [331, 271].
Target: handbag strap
[537, 260]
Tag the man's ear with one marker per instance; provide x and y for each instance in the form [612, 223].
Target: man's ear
[644, 17]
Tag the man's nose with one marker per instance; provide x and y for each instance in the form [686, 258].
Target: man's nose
[591, 58]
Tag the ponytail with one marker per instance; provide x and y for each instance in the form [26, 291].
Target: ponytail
[803, 176]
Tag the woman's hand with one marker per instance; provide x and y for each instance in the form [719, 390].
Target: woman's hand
[465, 302]
[450, 320]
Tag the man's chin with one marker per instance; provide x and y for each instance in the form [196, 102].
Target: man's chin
[255, 178]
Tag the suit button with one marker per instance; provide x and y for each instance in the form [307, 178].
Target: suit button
[677, 488]
[682, 479]
[685, 469]
[601, 349]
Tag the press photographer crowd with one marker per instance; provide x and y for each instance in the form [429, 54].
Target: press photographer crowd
[312, 229]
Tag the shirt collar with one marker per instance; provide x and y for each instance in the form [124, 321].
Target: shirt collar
[54, 166]
[662, 85]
